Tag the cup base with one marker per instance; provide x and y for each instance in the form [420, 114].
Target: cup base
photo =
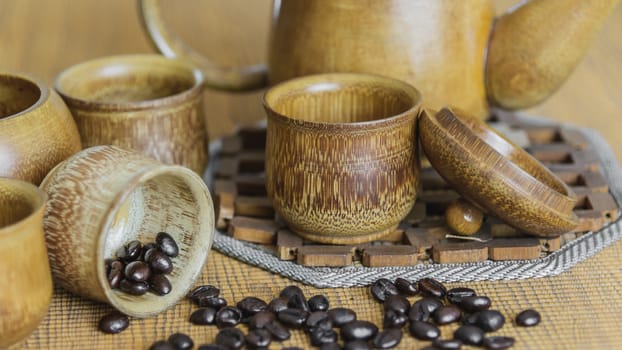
[344, 239]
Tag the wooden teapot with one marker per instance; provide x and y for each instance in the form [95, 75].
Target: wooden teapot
[455, 52]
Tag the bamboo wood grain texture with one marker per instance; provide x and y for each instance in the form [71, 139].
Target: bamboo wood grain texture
[580, 308]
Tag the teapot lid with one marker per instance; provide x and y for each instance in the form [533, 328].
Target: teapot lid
[495, 174]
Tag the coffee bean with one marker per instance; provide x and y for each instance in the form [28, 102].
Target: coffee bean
[393, 319]
[423, 309]
[203, 316]
[475, 303]
[130, 251]
[487, 320]
[167, 244]
[341, 316]
[230, 337]
[455, 295]
[212, 347]
[137, 271]
[358, 330]
[498, 343]
[113, 323]
[290, 291]
[528, 318]
[298, 301]
[260, 319]
[277, 305]
[116, 274]
[181, 341]
[278, 330]
[432, 288]
[160, 285]
[318, 319]
[251, 305]
[203, 292]
[321, 336]
[145, 249]
[423, 330]
[447, 314]
[447, 344]
[294, 318]
[383, 288]
[162, 345]
[158, 261]
[330, 346]
[216, 302]
[258, 339]
[470, 335]
[387, 339]
[318, 303]
[357, 345]
[228, 316]
[134, 288]
[397, 303]
[406, 287]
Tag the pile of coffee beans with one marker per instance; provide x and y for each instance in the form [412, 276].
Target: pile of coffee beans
[139, 268]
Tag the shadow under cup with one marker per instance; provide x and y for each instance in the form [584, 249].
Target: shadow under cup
[341, 155]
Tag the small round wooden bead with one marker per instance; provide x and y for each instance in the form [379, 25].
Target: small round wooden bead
[463, 217]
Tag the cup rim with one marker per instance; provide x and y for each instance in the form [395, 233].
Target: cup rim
[44, 92]
[39, 194]
[315, 79]
[104, 61]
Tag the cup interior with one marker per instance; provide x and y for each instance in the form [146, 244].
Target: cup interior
[167, 202]
[19, 201]
[17, 95]
[341, 98]
[127, 79]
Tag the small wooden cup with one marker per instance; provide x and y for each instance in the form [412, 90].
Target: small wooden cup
[144, 102]
[25, 279]
[36, 128]
[104, 197]
[341, 155]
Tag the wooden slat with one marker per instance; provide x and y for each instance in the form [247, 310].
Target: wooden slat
[253, 230]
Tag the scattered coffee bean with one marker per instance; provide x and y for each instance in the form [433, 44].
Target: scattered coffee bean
[388, 338]
[167, 244]
[158, 261]
[498, 342]
[393, 319]
[160, 285]
[341, 316]
[216, 302]
[330, 346]
[181, 341]
[278, 330]
[397, 303]
[260, 319]
[228, 316]
[258, 339]
[470, 335]
[424, 330]
[475, 303]
[358, 330]
[318, 319]
[113, 323]
[116, 274]
[447, 314]
[528, 318]
[251, 305]
[298, 301]
[230, 337]
[447, 344]
[423, 309]
[487, 320]
[203, 316]
[455, 295]
[134, 288]
[357, 345]
[137, 271]
[290, 291]
[383, 288]
[212, 347]
[162, 345]
[321, 336]
[277, 305]
[432, 288]
[294, 318]
[318, 303]
[203, 292]
[406, 287]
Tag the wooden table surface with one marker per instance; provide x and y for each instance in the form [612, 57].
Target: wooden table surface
[44, 37]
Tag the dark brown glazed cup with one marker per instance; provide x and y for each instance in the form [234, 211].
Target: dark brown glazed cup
[144, 102]
[341, 155]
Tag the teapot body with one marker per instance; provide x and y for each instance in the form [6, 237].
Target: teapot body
[437, 46]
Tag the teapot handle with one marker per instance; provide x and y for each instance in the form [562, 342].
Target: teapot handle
[222, 78]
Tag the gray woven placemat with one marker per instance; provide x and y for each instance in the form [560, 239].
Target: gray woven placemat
[561, 260]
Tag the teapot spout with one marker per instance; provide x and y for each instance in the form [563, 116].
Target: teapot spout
[535, 46]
